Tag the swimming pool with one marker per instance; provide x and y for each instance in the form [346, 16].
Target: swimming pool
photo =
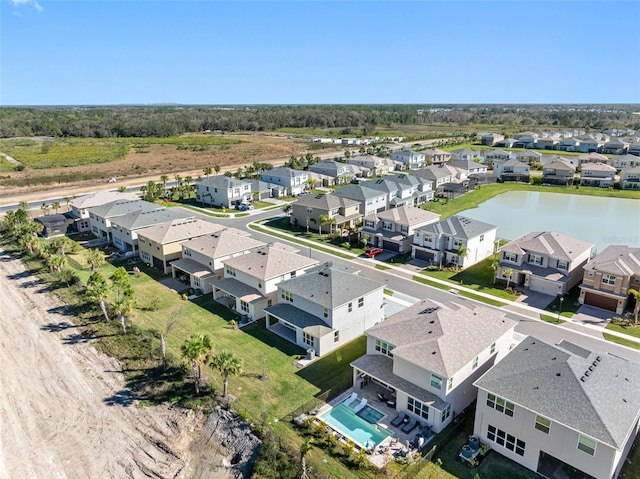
[370, 414]
[344, 420]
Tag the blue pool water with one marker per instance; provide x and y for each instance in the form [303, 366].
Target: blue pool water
[344, 420]
[370, 414]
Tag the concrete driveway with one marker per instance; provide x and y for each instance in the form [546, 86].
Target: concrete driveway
[594, 316]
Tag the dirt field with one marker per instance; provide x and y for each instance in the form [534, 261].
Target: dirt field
[65, 412]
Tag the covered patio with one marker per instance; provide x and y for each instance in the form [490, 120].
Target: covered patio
[240, 297]
[297, 326]
[192, 273]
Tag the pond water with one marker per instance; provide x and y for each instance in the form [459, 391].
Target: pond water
[602, 221]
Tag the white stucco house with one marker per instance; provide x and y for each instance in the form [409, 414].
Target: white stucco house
[224, 191]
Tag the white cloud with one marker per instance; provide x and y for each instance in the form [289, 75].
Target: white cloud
[33, 3]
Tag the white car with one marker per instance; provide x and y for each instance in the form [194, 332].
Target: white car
[112, 180]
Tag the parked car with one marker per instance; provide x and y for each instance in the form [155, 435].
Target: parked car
[371, 252]
[245, 206]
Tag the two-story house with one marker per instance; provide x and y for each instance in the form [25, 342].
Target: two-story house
[526, 139]
[429, 355]
[609, 276]
[457, 240]
[621, 162]
[80, 206]
[547, 143]
[403, 189]
[309, 211]
[286, 181]
[410, 159]
[327, 307]
[393, 229]
[568, 144]
[223, 191]
[469, 167]
[161, 244]
[615, 146]
[546, 262]
[630, 178]
[436, 156]
[202, 257]
[560, 410]
[100, 217]
[438, 175]
[634, 147]
[490, 139]
[597, 174]
[340, 172]
[512, 170]
[464, 154]
[558, 173]
[124, 228]
[251, 280]
[589, 144]
[528, 156]
[370, 200]
[375, 164]
[594, 158]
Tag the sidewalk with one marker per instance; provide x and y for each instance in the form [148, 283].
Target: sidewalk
[514, 306]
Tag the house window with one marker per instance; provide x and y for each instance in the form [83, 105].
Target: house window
[196, 282]
[369, 224]
[608, 279]
[259, 285]
[404, 230]
[287, 295]
[326, 312]
[244, 306]
[450, 384]
[293, 274]
[586, 444]
[307, 339]
[500, 404]
[564, 265]
[482, 237]
[474, 364]
[505, 440]
[446, 412]
[493, 348]
[418, 408]
[543, 424]
[309, 210]
[336, 336]
[428, 238]
[269, 303]
[230, 271]
[436, 381]
[507, 256]
[384, 348]
[350, 307]
[387, 225]
[360, 302]
[535, 259]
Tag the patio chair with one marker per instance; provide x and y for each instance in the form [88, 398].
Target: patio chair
[382, 397]
[399, 419]
[360, 406]
[350, 399]
[410, 426]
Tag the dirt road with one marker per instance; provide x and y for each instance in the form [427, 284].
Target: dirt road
[64, 411]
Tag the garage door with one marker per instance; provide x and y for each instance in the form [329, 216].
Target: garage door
[158, 264]
[543, 286]
[390, 246]
[601, 301]
[425, 255]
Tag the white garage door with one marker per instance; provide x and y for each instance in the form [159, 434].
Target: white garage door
[543, 286]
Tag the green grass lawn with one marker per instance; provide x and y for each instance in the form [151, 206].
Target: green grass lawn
[630, 329]
[622, 341]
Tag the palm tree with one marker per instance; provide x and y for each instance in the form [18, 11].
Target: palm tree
[67, 200]
[495, 264]
[164, 179]
[286, 208]
[120, 280]
[123, 306]
[636, 308]
[29, 241]
[507, 273]
[216, 167]
[94, 257]
[322, 220]
[122, 189]
[196, 350]
[207, 171]
[56, 262]
[463, 252]
[228, 365]
[56, 206]
[45, 208]
[171, 322]
[98, 291]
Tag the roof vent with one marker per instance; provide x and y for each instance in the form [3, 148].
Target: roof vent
[591, 368]
[586, 373]
[433, 352]
[582, 378]
[553, 359]
[598, 359]
[558, 374]
[624, 400]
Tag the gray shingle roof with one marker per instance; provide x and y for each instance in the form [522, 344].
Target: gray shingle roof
[123, 207]
[283, 172]
[325, 201]
[616, 259]
[222, 181]
[179, 230]
[142, 219]
[467, 164]
[303, 320]
[360, 193]
[597, 167]
[223, 243]
[269, 261]
[331, 285]
[101, 198]
[459, 227]
[442, 338]
[435, 172]
[405, 215]
[597, 395]
[549, 243]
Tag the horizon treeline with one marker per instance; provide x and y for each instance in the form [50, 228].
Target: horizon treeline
[165, 121]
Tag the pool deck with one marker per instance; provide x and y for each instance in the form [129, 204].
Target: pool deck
[397, 444]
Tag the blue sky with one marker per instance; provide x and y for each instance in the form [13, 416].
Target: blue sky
[214, 52]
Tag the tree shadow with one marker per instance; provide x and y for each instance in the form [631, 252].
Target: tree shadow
[124, 397]
[57, 327]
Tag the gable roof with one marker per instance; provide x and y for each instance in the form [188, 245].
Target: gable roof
[558, 163]
[458, 226]
[616, 259]
[179, 230]
[435, 172]
[223, 243]
[123, 207]
[597, 167]
[325, 201]
[331, 285]
[222, 181]
[283, 172]
[269, 261]
[102, 197]
[405, 215]
[442, 338]
[550, 243]
[527, 153]
[141, 218]
[467, 164]
[361, 192]
[593, 393]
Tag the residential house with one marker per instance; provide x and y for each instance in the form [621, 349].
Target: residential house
[634, 147]
[289, 181]
[469, 167]
[490, 156]
[594, 158]
[370, 200]
[430, 354]
[161, 244]
[80, 206]
[560, 410]
[621, 162]
[512, 170]
[526, 139]
[491, 139]
[465, 154]
[609, 276]
[340, 172]
[528, 156]
[441, 242]
[404, 189]
[202, 257]
[558, 173]
[393, 229]
[545, 262]
[410, 159]
[124, 228]
[549, 143]
[261, 190]
[325, 308]
[597, 174]
[615, 146]
[569, 160]
[100, 216]
[506, 143]
[630, 178]
[340, 212]
[54, 225]
[589, 144]
[250, 280]
[375, 164]
[436, 156]
[438, 175]
[568, 144]
[224, 191]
